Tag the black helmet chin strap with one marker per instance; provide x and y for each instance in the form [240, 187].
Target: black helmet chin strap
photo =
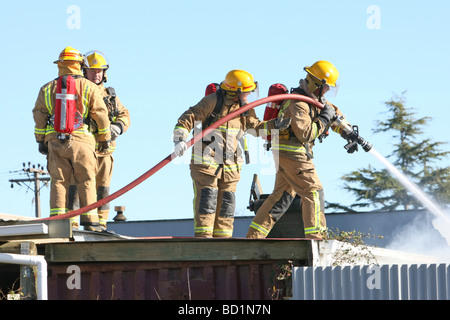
[238, 92]
[321, 90]
[320, 93]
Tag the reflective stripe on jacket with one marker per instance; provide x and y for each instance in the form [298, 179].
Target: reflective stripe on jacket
[219, 152]
[305, 128]
[122, 116]
[90, 105]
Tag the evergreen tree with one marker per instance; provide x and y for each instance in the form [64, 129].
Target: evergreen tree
[415, 158]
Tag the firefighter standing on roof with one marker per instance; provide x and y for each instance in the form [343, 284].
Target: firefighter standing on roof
[216, 160]
[95, 66]
[72, 153]
[296, 173]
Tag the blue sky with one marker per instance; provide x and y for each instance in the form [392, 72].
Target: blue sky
[162, 55]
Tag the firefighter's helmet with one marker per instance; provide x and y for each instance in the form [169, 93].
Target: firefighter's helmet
[238, 81]
[70, 54]
[324, 72]
[95, 60]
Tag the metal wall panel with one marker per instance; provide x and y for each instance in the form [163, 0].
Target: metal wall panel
[386, 282]
[193, 280]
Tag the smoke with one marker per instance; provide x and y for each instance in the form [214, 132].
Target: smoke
[419, 237]
[424, 237]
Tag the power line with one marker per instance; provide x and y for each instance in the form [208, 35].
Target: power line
[36, 175]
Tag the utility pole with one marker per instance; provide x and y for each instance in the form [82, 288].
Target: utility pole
[38, 175]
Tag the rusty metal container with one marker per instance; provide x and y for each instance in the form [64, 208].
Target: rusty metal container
[173, 269]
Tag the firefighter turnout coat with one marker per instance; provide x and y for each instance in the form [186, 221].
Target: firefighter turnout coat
[219, 154]
[117, 113]
[89, 103]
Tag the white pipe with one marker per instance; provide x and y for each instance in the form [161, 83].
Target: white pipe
[38, 261]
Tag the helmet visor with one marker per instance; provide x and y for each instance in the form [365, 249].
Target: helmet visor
[330, 91]
[254, 94]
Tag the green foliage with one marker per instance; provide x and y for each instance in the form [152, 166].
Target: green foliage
[417, 159]
[352, 249]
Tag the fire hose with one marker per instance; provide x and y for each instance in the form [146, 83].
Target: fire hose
[190, 143]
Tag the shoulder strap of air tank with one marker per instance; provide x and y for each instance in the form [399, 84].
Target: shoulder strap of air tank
[215, 113]
[302, 92]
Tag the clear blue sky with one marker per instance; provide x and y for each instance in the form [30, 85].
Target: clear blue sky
[162, 55]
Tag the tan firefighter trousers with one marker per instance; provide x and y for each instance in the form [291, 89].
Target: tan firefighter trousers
[103, 180]
[293, 177]
[214, 206]
[64, 159]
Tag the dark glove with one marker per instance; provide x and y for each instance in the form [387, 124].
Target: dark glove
[323, 135]
[116, 130]
[42, 147]
[282, 123]
[327, 114]
[102, 146]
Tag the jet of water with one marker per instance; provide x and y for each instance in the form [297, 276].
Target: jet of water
[442, 221]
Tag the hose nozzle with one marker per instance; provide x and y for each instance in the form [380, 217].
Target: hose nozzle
[366, 145]
[351, 134]
[354, 139]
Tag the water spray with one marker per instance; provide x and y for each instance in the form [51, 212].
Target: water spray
[441, 221]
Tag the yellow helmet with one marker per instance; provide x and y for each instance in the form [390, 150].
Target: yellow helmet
[324, 72]
[95, 60]
[70, 54]
[238, 80]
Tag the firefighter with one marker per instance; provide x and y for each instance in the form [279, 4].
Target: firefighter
[296, 173]
[217, 160]
[95, 66]
[72, 153]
